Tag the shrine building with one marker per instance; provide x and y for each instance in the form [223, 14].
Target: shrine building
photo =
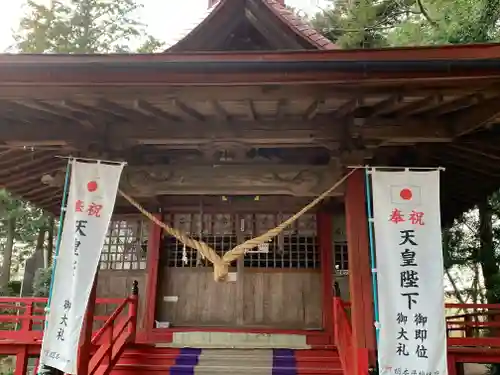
[238, 125]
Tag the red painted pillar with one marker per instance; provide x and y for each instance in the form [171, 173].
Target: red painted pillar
[86, 335]
[153, 252]
[324, 228]
[361, 297]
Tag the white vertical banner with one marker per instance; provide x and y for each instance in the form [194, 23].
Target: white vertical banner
[407, 224]
[91, 199]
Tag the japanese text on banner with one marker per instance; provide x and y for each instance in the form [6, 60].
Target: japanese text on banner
[410, 273]
[91, 200]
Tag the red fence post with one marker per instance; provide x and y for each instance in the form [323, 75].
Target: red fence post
[132, 310]
[362, 361]
[452, 365]
[469, 329]
[27, 323]
[21, 361]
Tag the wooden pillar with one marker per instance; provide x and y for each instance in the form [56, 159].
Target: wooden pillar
[361, 297]
[324, 229]
[153, 260]
[86, 335]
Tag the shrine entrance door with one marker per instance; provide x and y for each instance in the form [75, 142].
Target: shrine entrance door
[277, 286]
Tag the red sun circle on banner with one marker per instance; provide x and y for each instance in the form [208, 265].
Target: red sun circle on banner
[92, 186]
[406, 194]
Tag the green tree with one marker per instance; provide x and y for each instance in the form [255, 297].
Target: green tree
[83, 26]
[450, 22]
[473, 242]
[72, 26]
[20, 228]
[364, 23]
[375, 23]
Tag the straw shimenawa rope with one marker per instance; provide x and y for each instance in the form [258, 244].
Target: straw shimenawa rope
[221, 264]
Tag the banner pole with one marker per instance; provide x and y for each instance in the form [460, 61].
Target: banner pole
[42, 369]
[372, 251]
[59, 233]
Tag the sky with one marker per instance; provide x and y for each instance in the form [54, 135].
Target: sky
[165, 19]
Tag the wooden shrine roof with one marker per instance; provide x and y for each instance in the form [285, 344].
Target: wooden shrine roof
[261, 111]
[283, 29]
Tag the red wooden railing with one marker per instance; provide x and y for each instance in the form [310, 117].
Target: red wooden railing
[473, 325]
[473, 332]
[118, 331]
[22, 318]
[354, 360]
[22, 321]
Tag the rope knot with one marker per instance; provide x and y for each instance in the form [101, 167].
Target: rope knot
[221, 270]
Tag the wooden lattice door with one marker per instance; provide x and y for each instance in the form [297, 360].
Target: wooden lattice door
[279, 288]
[188, 295]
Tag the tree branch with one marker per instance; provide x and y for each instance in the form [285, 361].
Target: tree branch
[425, 14]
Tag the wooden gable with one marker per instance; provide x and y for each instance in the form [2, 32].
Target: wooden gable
[251, 25]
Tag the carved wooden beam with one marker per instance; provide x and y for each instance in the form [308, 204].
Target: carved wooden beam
[265, 134]
[278, 179]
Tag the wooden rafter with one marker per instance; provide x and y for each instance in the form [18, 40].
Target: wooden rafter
[281, 108]
[386, 105]
[23, 166]
[475, 117]
[455, 104]
[469, 166]
[312, 109]
[348, 107]
[475, 151]
[19, 157]
[33, 173]
[189, 112]
[420, 105]
[39, 105]
[252, 114]
[220, 111]
[95, 112]
[150, 110]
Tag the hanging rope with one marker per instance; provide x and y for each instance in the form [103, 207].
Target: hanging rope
[221, 264]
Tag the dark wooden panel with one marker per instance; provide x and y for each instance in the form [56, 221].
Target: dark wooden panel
[289, 299]
[201, 300]
[118, 284]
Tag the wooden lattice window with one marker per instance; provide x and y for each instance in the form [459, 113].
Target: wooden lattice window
[296, 248]
[125, 246]
[341, 257]
[217, 230]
